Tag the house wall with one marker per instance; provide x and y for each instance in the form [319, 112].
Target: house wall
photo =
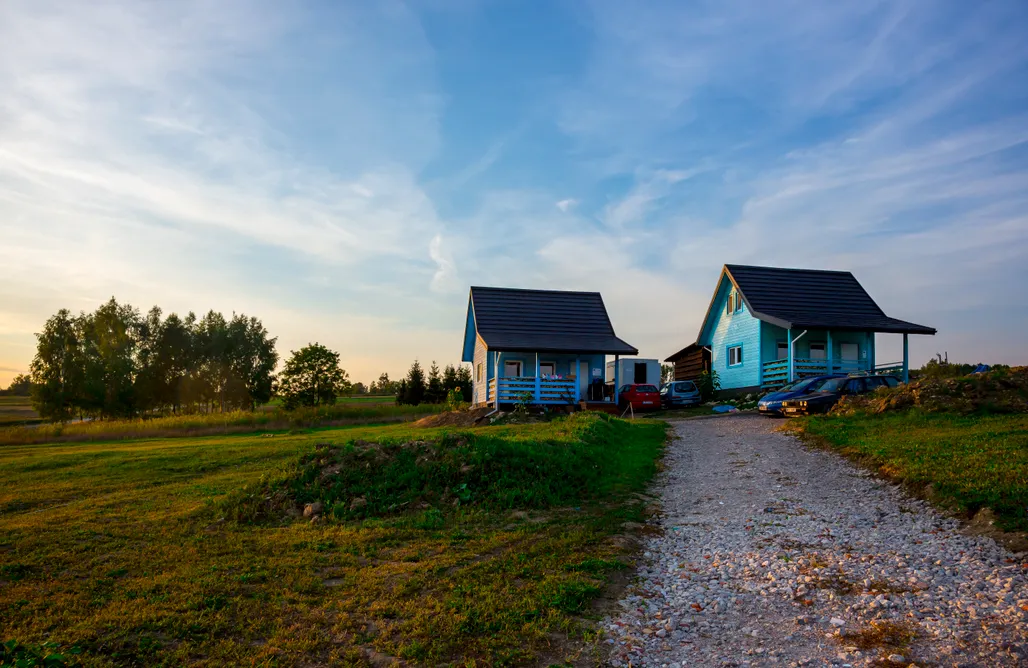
[478, 388]
[772, 334]
[739, 328]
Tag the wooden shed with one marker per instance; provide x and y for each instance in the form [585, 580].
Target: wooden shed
[690, 362]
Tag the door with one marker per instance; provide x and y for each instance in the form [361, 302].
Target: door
[640, 373]
[849, 351]
[583, 380]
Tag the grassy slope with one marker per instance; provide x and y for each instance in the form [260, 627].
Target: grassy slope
[970, 461]
[116, 548]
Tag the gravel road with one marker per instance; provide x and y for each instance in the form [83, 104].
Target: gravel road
[771, 553]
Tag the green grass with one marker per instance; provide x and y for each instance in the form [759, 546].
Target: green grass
[971, 462]
[17, 411]
[119, 553]
[234, 422]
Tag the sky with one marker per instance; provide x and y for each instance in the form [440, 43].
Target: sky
[345, 171]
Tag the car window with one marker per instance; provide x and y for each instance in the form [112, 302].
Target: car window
[855, 385]
[665, 389]
[833, 385]
[646, 388]
[873, 383]
[624, 389]
[687, 386]
[890, 381]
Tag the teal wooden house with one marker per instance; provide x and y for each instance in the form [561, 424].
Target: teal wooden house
[767, 326]
[547, 346]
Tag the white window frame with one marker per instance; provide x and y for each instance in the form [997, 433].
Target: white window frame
[478, 372]
[728, 362]
[521, 368]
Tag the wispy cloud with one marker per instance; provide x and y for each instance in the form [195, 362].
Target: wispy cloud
[566, 205]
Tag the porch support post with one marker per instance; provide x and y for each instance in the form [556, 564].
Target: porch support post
[538, 381]
[828, 351]
[788, 335]
[871, 352]
[617, 379]
[578, 381]
[498, 373]
[906, 359]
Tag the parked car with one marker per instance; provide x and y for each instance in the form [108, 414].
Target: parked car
[641, 397]
[771, 404]
[680, 393]
[829, 393]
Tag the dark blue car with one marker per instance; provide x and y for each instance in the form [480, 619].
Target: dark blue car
[771, 404]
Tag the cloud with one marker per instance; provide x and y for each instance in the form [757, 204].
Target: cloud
[445, 278]
[566, 205]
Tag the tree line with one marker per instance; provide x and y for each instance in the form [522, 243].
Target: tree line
[117, 363]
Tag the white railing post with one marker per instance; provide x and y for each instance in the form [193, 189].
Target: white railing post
[498, 373]
[788, 334]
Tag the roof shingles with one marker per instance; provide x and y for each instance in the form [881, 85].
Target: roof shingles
[516, 320]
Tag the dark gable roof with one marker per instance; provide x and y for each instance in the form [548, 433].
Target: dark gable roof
[813, 299]
[514, 320]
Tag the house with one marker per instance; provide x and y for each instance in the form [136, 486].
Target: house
[549, 345]
[767, 326]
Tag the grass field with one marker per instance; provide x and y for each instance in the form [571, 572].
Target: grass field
[120, 553]
[971, 462]
[16, 411]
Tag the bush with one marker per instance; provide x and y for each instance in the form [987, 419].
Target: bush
[1002, 390]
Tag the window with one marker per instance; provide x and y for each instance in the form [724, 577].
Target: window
[734, 355]
[783, 350]
[850, 351]
[738, 302]
[817, 351]
[855, 386]
[547, 368]
[730, 307]
[478, 373]
[512, 368]
[686, 386]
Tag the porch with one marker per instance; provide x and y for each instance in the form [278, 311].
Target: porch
[534, 390]
[776, 373]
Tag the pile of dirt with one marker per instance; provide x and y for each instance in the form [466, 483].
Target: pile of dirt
[998, 391]
[474, 417]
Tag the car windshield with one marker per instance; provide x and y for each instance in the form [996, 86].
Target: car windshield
[832, 385]
[807, 384]
[645, 388]
[686, 386]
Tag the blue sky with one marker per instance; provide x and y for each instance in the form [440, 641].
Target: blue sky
[345, 171]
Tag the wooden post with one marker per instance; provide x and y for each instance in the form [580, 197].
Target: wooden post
[538, 381]
[498, 374]
[828, 351]
[578, 380]
[906, 359]
[788, 334]
[617, 379]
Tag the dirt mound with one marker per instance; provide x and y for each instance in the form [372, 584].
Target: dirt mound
[474, 417]
[999, 391]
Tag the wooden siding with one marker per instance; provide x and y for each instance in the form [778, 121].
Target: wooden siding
[479, 387]
[739, 328]
[691, 365]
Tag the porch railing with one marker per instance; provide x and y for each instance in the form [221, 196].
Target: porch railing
[776, 373]
[553, 392]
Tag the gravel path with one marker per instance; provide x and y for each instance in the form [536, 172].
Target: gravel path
[775, 554]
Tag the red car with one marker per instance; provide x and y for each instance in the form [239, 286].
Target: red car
[642, 397]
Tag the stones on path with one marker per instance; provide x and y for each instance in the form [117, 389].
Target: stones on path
[840, 562]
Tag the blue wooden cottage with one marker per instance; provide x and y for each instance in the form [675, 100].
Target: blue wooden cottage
[547, 344]
[767, 326]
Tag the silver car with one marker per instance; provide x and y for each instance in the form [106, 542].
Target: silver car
[680, 393]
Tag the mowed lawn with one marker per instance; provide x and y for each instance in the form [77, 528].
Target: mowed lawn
[119, 554]
[971, 462]
[17, 410]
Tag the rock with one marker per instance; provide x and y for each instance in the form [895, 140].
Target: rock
[835, 621]
[312, 509]
[897, 658]
[358, 503]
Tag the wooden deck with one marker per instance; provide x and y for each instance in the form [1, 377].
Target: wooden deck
[776, 373]
[534, 391]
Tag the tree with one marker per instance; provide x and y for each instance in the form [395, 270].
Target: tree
[412, 390]
[312, 377]
[667, 373]
[384, 386]
[21, 386]
[434, 391]
[464, 382]
[252, 361]
[57, 369]
[359, 388]
[108, 340]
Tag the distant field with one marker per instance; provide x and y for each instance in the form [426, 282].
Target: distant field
[276, 403]
[17, 410]
[118, 554]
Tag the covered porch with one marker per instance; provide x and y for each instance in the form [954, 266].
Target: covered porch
[543, 378]
[795, 353]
